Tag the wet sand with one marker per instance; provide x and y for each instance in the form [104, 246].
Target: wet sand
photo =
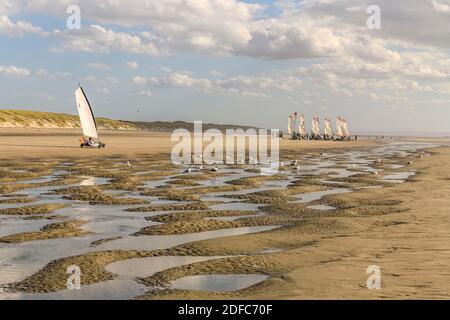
[56, 143]
[306, 233]
[410, 245]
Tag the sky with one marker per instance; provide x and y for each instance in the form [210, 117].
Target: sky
[229, 61]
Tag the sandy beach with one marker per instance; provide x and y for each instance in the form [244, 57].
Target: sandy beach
[146, 231]
[225, 151]
[63, 143]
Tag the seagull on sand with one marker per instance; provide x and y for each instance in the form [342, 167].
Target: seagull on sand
[188, 170]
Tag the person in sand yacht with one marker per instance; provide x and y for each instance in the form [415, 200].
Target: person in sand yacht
[90, 142]
[82, 141]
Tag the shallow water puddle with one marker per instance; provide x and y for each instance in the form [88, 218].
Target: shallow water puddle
[313, 196]
[108, 220]
[93, 181]
[338, 172]
[118, 227]
[149, 243]
[271, 250]
[233, 218]
[119, 289]
[398, 177]
[55, 175]
[235, 206]
[321, 207]
[21, 260]
[17, 225]
[218, 283]
[146, 267]
[396, 166]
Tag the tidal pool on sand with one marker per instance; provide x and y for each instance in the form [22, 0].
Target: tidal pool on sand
[218, 283]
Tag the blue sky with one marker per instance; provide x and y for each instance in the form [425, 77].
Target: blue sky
[230, 61]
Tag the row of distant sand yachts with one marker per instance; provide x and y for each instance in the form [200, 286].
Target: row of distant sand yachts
[296, 129]
[298, 136]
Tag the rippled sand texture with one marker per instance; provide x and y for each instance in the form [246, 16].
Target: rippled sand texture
[140, 228]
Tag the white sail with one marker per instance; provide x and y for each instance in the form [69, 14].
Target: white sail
[87, 119]
[315, 126]
[302, 126]
[295, 124]
[290, 125]
[339, 132]
[327, 127]
[345, 131]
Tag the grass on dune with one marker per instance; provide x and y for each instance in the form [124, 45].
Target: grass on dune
[33, 119]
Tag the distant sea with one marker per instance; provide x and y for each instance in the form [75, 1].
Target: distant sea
[404, 134]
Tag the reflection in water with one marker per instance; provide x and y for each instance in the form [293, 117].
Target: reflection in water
[236, 205]
[322, 207]
[120, 289]
[93, 181]
[398, 177]
[218, 283]
[313, 196]
[146, 267]
[164, 242]
[233, 218]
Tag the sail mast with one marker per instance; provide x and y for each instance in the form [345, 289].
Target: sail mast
[87, 119]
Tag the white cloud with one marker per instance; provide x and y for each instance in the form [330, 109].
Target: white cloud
[98, 66]
[140, 81]
[112, 80]
[46, 97]
[215, 73]
[56, 50]
[303, 29]
[41, 73]
[131, 64]
[442, 6]
[90, 78]
[254, 86]
[17, 29]
[354, 9]
[145, 93]
[95, 38]
[217, 27]
[165, 69]
[63, 74]
[102, 90]
[14, 71]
